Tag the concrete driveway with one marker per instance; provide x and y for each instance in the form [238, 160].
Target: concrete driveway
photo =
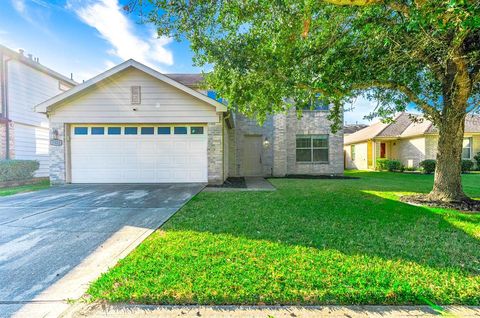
[54, 242]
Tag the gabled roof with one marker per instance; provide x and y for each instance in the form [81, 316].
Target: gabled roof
[35, 65]
[52, 102]
[190, 80]
[406, 125]
[351, 128]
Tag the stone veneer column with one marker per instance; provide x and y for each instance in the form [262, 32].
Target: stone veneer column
[215, 152]
[57, 155]
[279, 145]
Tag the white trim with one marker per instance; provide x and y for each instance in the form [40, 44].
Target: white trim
[52, 102]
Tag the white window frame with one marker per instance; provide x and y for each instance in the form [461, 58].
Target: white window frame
[312, 148]
[470, 148]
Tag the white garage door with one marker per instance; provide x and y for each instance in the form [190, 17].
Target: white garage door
[138, 154]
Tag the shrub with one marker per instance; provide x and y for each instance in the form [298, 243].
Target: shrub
[394, 165]
[382, 164]
[428, 165]
[467, 165]
[477, 159]
[13, 170]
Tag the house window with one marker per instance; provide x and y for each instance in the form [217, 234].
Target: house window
[98, 131]
[196, 130]
[80, 131]
[147, 130]
[163, 130]
[467, 148]
[114, 130]
[312, 148]
[352, 152]
[317, 103]
[180, 130]
[131, 130]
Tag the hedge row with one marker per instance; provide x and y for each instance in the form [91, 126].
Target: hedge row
[13, 170]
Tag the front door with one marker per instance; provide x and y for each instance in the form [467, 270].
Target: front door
[252, 156]
[383, 150]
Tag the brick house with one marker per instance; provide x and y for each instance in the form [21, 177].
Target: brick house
[132, 124]
[409, 138]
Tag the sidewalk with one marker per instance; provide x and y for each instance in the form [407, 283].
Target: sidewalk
[150, 311]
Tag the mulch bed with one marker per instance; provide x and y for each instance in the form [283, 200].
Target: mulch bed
[16, 183]
[467, 206]
[231, 182]
[309, 176]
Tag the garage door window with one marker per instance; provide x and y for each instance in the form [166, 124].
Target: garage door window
[131, 130]
[196, 130]
[147, 131]
[163, 130]
[98, 131]
[180, 130]
[114, 130]
[81, 131]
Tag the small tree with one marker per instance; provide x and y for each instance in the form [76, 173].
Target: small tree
[424, 53]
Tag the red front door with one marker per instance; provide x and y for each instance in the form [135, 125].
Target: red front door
[383, 150]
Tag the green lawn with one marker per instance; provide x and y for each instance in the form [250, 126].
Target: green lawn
[26, 188]
[310, 242]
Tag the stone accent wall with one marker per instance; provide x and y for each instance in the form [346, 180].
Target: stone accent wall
[215, 152]
[313, 123]
[431, 143]
[243, 127]
[3, 139]
[280, 145]
[57, 155]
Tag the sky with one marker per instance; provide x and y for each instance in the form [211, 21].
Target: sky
[87, 37]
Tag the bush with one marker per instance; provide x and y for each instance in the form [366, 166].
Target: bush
[382, 164]
[467, 165]
[394, 165]
[390, 165]
[13, 170]
[428, 165]
[477, 159]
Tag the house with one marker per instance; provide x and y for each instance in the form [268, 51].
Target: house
[132, 124]
[409, 138]
[349, 129]
[24, 82]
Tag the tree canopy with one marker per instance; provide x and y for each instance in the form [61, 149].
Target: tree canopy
[395, 52]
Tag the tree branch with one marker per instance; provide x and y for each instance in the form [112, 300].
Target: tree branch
[426, 108]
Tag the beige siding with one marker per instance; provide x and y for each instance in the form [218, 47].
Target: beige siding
[110, 102]
[31, 143]
[360, 161]
[409, 151]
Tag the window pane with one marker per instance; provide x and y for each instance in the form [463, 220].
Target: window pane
[180, 130]
[304, 155]
[114, 130]
[466, 153]
[196, 130]
[131, 130]
[98, 130]
[147, 131]
[320, 155]
[163, 130]
[303, 142]
[320, 142]
[466, 142]
[81, 130]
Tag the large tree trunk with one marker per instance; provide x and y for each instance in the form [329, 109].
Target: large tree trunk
[448, 182]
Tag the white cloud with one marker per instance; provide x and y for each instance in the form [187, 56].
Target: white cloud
[107, 17]
[19, 6]
[33, 14]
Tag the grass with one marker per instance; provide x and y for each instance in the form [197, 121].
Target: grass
[26, 188]
[310, 242]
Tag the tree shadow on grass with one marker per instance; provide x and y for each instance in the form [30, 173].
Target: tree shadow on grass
[352, 221]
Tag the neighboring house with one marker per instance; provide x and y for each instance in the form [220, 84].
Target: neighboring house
[24, 83]
[132, 124]
[409, 138]
[352, 128]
